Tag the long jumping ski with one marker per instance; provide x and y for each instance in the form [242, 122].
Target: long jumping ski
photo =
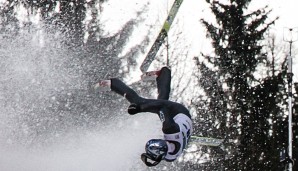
[161, 37]
[206, 141]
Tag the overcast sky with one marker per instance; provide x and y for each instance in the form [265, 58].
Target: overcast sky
[116, 13]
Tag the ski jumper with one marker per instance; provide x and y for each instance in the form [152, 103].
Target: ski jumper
[176, 120]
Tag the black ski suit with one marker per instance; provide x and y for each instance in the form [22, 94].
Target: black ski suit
[166, 110]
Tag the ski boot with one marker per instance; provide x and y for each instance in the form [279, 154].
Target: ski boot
[150, 76]
[103, 85]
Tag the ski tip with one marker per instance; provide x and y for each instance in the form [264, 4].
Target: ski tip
[206, 141]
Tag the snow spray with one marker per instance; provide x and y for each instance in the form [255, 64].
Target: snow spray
[41, 125]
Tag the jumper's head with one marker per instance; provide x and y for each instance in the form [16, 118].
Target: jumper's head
[156, 150]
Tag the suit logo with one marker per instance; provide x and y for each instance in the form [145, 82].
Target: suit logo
[161, 116]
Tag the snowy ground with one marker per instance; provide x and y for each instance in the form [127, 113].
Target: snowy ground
[116, 147]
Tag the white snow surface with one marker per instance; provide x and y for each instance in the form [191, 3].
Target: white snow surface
[116, 147]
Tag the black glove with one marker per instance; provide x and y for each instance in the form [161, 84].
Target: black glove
[133, 109]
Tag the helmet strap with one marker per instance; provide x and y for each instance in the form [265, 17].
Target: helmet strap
[145, 157]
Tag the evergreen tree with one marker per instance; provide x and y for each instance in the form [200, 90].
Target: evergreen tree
[240, 105]
[9, 25]
[295, 127]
